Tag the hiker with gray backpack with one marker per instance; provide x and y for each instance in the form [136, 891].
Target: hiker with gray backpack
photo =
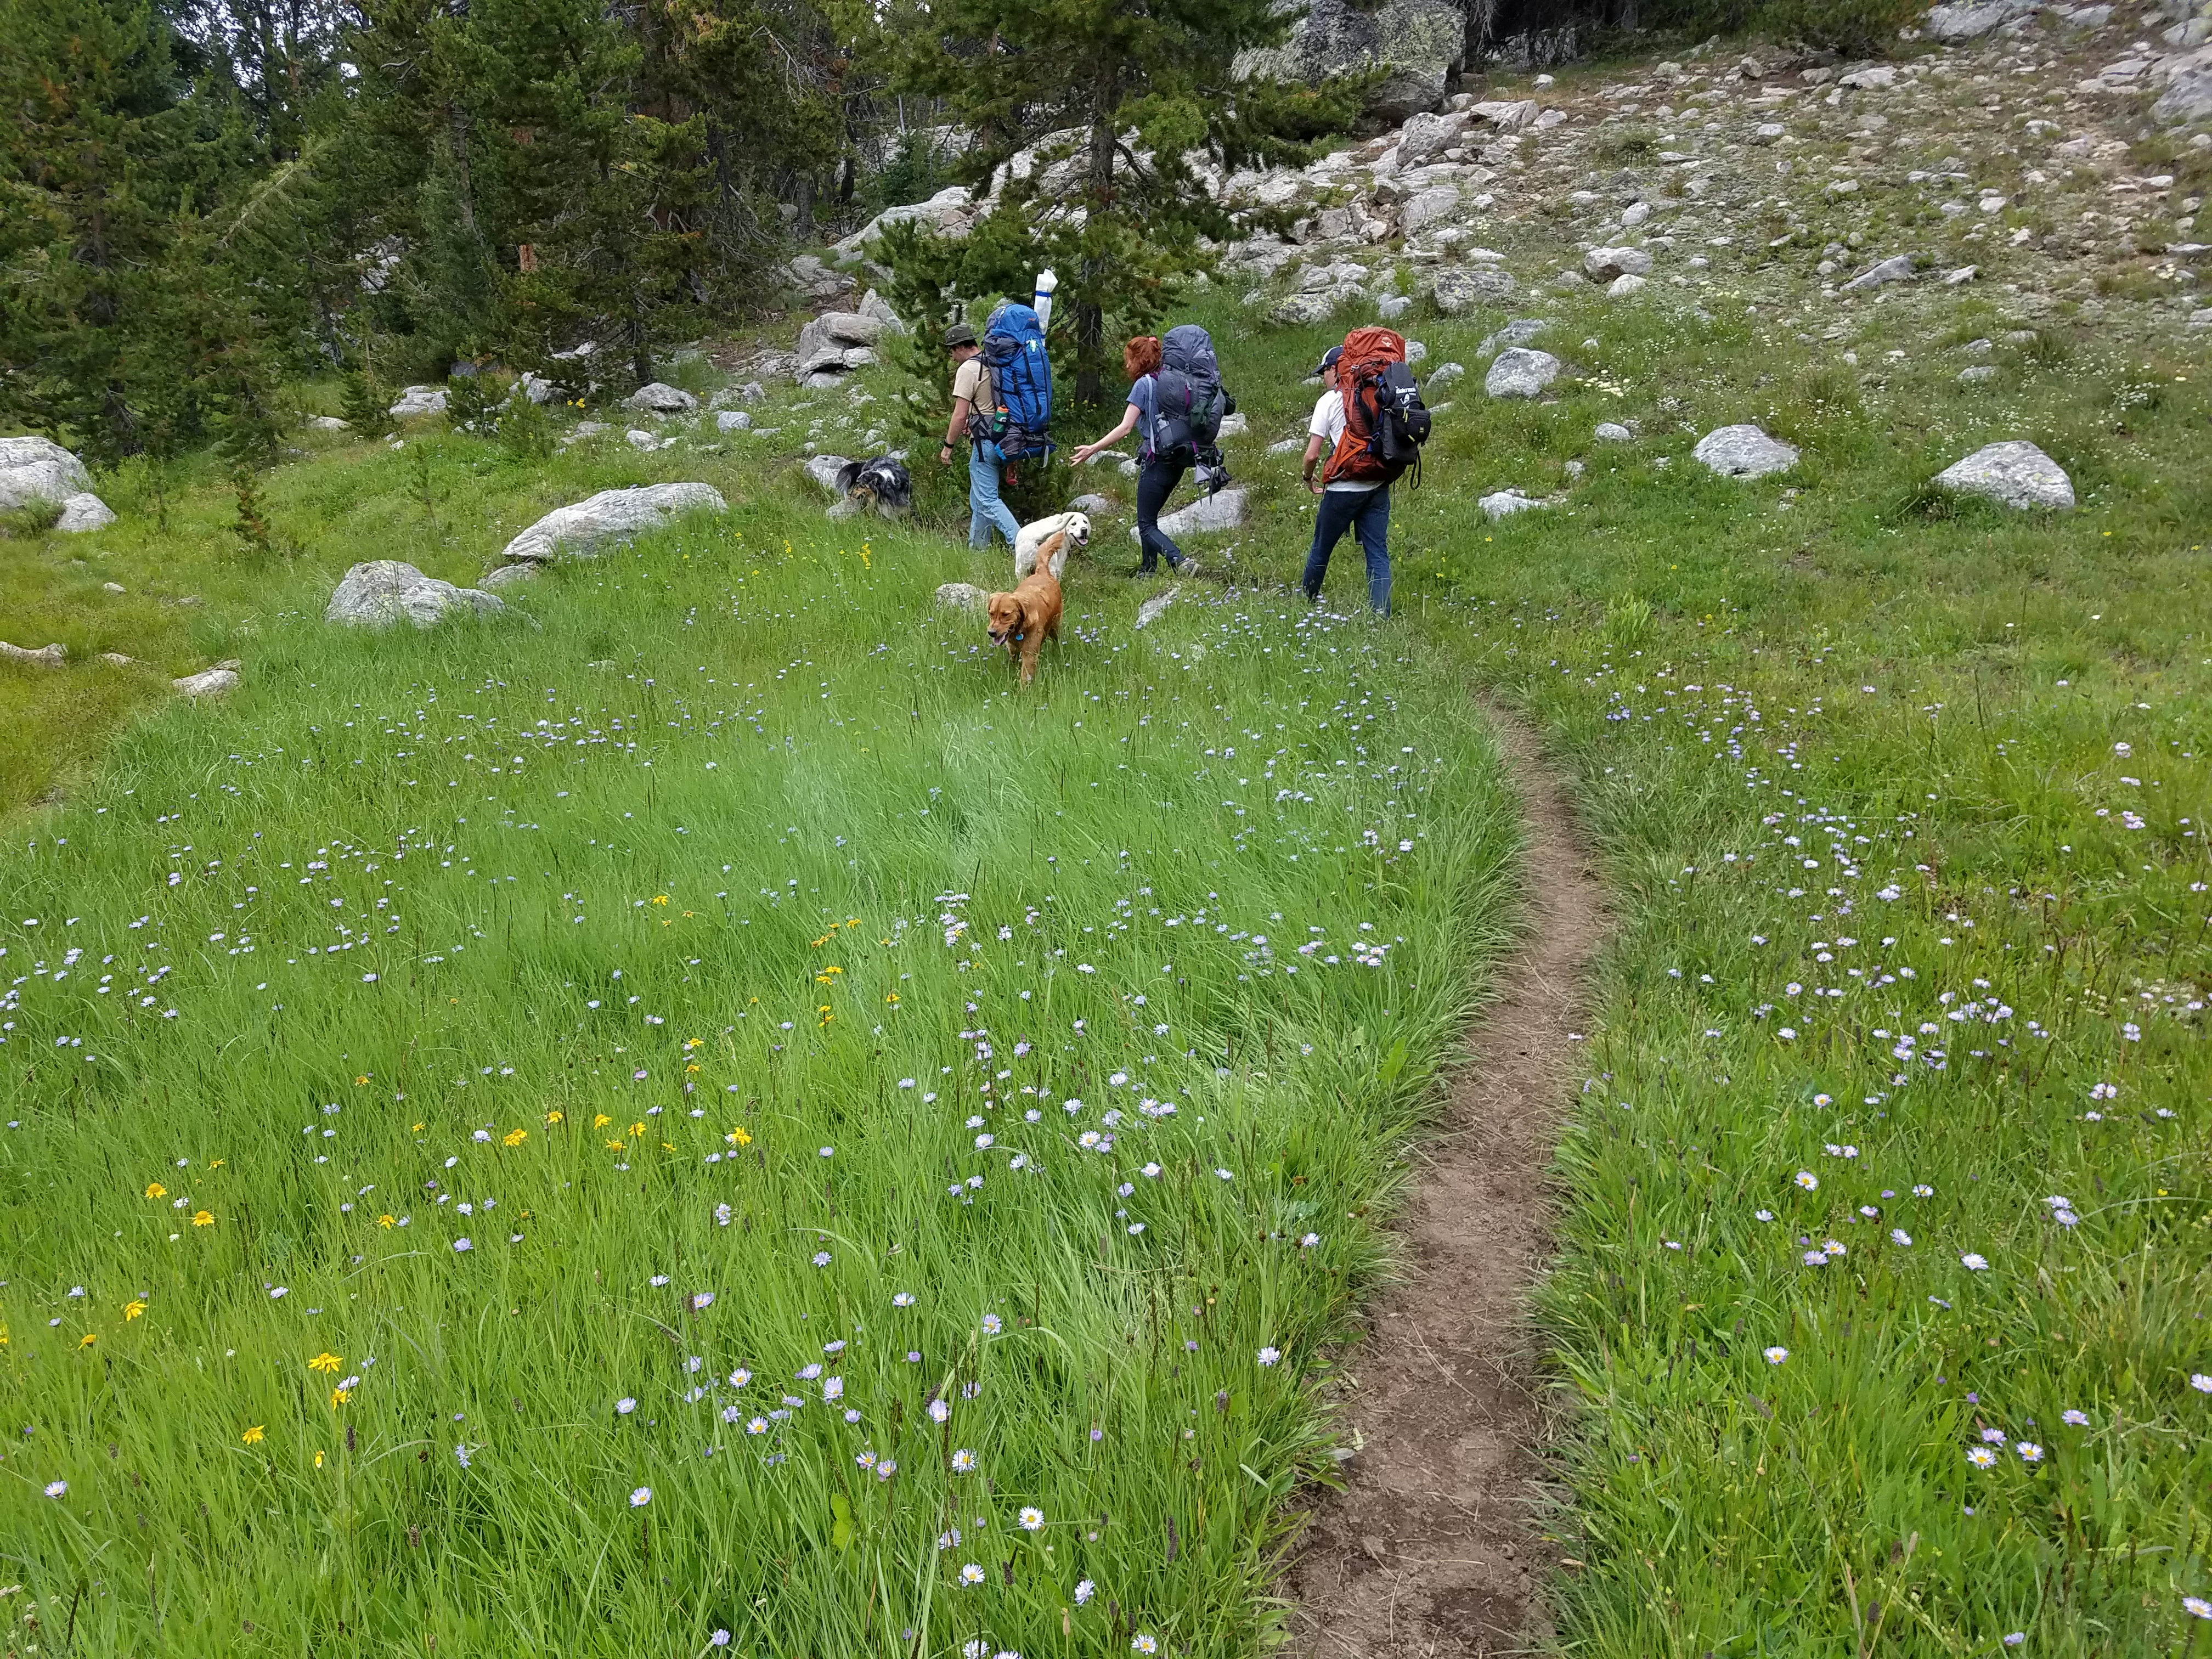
[1177, 404]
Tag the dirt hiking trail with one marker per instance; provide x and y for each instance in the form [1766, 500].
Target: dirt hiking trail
[1433, 1551]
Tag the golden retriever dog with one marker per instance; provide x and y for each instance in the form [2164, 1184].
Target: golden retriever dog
[1023, 620]
[1050, 540]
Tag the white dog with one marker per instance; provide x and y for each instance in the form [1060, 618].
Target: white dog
[1059, 533]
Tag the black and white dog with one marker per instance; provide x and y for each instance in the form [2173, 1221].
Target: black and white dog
[881, 483]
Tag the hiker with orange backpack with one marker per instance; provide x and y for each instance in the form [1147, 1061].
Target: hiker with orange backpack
[1370, 424]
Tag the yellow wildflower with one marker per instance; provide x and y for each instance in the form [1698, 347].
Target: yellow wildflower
[132, 1310]
[326, 1362]
[614, 1146]
[254, 1436]
[738, 1136]
[601, 1120]
[203, 1219]
[387, 1222]
[660, 898]
[318, 1460]
[340, 1396]
[155, 1189]
[637, 1128]
[515, 1138]
[553, 1117]
[87, 1340]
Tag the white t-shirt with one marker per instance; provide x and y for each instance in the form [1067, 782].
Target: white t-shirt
[1328, 423]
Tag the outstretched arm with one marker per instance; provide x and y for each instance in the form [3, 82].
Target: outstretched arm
[1129, 413]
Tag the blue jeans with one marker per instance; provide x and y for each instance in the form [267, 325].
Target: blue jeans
[1366, 512]
[985, 509]
[1154, 485]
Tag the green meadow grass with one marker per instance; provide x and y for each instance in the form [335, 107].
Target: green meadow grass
[2011, 903]
[435, 1073]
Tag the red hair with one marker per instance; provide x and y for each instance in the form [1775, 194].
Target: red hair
[1141, 357]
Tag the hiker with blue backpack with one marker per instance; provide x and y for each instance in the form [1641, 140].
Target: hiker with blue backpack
[1002, 401]
[1177, 401]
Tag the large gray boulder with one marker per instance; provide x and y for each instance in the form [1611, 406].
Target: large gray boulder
[951, 212]
[2188, 97]
[1433, 206]
[838, 341]
[1952, 24]
[1207, 514]
[82, 512]
[2013, 474]
[656, 398]
[1458, 289]
[385, 591]
[1423, 137]
[1521, 372]
[38, 469]
[1603, 264]
[579, 531]
[418, 400]
[1744, 451]
[1419, 45]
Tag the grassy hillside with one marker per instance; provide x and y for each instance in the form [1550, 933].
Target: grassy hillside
[1900, 797]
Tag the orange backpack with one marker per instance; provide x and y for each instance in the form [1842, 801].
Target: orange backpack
[1384, 421]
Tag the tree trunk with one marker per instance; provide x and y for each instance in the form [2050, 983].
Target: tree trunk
[1090, 316]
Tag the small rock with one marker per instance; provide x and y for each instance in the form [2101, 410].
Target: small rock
[1873, 79]
[660, 399]
[117, 660]
[83, 511]
[327, 423]
[1234, 426]
[1505, 502]
[1898, 269]
[964, 596]
[509, 575]
[2188, 97]
[112, 588]
[208, 682]
[1963, 274]
[1305, 310]
[1519, 332]
[733, 420]
[1290, 445]
[1391, 307]
[1624, 285]
[646, 440]
[1744, 451]
[1604, 264]
[46, 656]
[385, 591]
[418, 400]
[1458, 290]
[1611, 431]
[1207, 514]
[2014, 474]
[1978, 374]
[1417, 351]
[1766, 132]
[1431, 206]
[1636, 213]
[1521, 372]
[823, 469]
[1444, 374]
[1153, 609]
[1096, 506]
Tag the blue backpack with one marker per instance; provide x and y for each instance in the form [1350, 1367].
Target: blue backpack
[1019, 420]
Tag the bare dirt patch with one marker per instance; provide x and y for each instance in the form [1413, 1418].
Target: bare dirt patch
[1434, 1550]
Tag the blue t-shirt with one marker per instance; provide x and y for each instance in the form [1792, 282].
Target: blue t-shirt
[1142, 399]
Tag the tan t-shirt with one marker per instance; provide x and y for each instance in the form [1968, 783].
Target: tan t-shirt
[968, 380]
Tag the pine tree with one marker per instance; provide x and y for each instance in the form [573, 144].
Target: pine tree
[1110, 103]
[110, 160]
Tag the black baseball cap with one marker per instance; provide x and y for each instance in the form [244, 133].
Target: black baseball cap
[1327, 361]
